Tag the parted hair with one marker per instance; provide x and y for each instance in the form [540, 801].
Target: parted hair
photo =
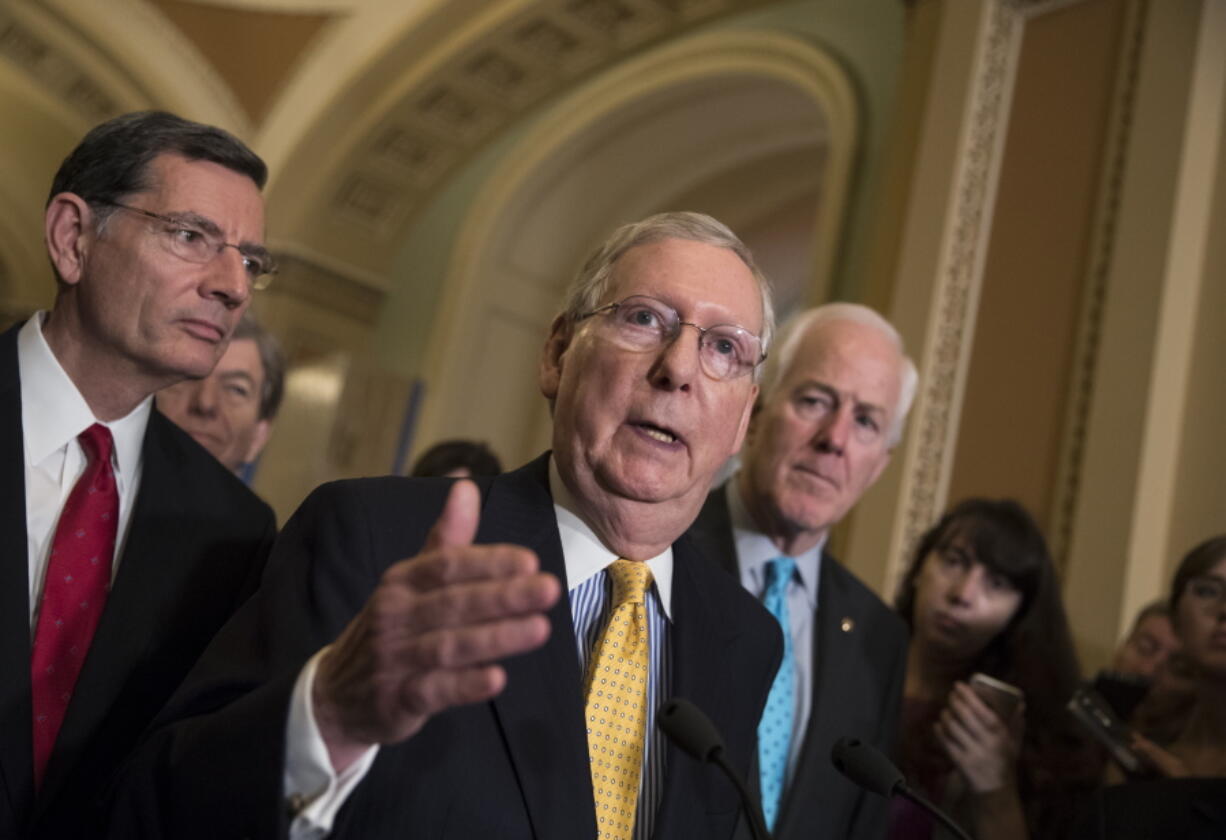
[112, 160]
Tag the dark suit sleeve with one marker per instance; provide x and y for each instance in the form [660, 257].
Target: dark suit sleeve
[214, 765]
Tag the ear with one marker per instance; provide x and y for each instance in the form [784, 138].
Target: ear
[747, 414]
[552, 356]
[263, 430]
[68, 231]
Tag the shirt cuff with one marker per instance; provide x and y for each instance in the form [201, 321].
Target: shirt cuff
[314, 792]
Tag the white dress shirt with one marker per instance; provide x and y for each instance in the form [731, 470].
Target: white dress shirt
[53, 414]
[309, 777]
[754, 550]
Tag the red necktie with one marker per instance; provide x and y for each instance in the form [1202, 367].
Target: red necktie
[74, 592]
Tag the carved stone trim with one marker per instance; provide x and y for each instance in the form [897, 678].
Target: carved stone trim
[53, 70]
[956, 296]
[488, 84]
[1094, 287]
[302, 278]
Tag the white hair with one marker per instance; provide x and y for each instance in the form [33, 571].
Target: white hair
[799, 325]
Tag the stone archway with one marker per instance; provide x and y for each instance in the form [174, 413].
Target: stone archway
[758, 129]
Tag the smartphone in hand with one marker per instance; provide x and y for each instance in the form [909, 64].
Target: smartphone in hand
[1000, 697]
[1099, 720]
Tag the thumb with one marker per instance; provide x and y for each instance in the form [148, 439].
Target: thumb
[457, 524]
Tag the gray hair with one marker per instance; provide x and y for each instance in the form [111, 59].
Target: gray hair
[791, 334]
[586, 292]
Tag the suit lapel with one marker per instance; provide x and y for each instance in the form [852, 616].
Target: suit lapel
[541, 709]
[712, 532]
[16, 747]
[146, 579]
[701, 635]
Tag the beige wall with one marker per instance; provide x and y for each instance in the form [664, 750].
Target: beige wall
[1025, 336]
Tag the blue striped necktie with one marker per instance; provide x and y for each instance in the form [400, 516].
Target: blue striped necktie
[775, 729]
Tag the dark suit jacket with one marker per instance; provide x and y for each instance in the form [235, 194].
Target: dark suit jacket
[858, 679]
[196, 544]
[1166, 809]
[514, 767]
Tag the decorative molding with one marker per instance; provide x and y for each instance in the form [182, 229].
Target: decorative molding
[54, 70]
[304, 279]
[1094, 288]
[951, 324]
[486, 85]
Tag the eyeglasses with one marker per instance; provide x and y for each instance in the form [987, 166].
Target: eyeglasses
[641, 323]
[1207, 591]
[195, 244]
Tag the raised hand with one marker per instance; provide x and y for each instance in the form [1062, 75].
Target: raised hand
[431, 634]
[984, 747]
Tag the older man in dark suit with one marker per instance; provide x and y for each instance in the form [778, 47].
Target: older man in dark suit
[402, 722]
[129, 546]
[834, 398]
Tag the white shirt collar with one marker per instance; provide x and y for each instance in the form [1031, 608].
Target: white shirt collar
[755, 549]
[53, 412]
[585, 555]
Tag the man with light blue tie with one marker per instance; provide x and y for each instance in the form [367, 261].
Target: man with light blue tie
[833, 402]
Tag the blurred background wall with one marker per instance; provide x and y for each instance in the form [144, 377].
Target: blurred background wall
[1030, 189]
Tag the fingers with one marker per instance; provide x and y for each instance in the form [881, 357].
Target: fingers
[453, 688]
[457, 524]
[971, 708]
[464, 646]
[1165, 763]
[448, 565]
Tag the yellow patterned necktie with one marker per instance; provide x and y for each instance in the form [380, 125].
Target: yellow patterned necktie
[616, 708]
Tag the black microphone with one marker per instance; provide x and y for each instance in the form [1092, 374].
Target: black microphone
[687, 727]
[867, 767]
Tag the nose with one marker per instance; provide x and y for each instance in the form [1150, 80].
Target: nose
[206, 396]
[966, 587]
[227, 280]
[678, 363]
[833, 432]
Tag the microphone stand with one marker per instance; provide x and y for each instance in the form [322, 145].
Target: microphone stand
[919, 799]
[757, 824]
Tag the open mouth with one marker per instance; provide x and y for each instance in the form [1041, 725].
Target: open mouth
[659, 433]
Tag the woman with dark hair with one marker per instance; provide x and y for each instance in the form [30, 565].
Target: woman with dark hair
[981, 597]
[1188, 799]
[1198, 611]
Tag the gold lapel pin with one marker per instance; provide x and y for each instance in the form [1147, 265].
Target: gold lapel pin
[847, 624]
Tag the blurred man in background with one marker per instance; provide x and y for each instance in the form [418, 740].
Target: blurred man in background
[230, 412]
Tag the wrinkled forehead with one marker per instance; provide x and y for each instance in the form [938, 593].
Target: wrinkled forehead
[854, 358]
[705, 283]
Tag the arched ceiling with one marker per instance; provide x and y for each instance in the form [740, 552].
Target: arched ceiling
[363, 108]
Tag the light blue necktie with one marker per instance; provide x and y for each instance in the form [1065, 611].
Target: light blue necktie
[775, 730]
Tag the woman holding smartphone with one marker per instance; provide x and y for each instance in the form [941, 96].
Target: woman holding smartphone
[981, 597]
[1198, 612]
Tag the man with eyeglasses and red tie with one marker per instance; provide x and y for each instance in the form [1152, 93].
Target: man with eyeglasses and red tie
[486, 658]
[128, 544]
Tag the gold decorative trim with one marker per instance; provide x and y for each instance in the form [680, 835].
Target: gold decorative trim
[53, 70]
[489, 83]
[952, 320]
[1094, 287]
[302, 278]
